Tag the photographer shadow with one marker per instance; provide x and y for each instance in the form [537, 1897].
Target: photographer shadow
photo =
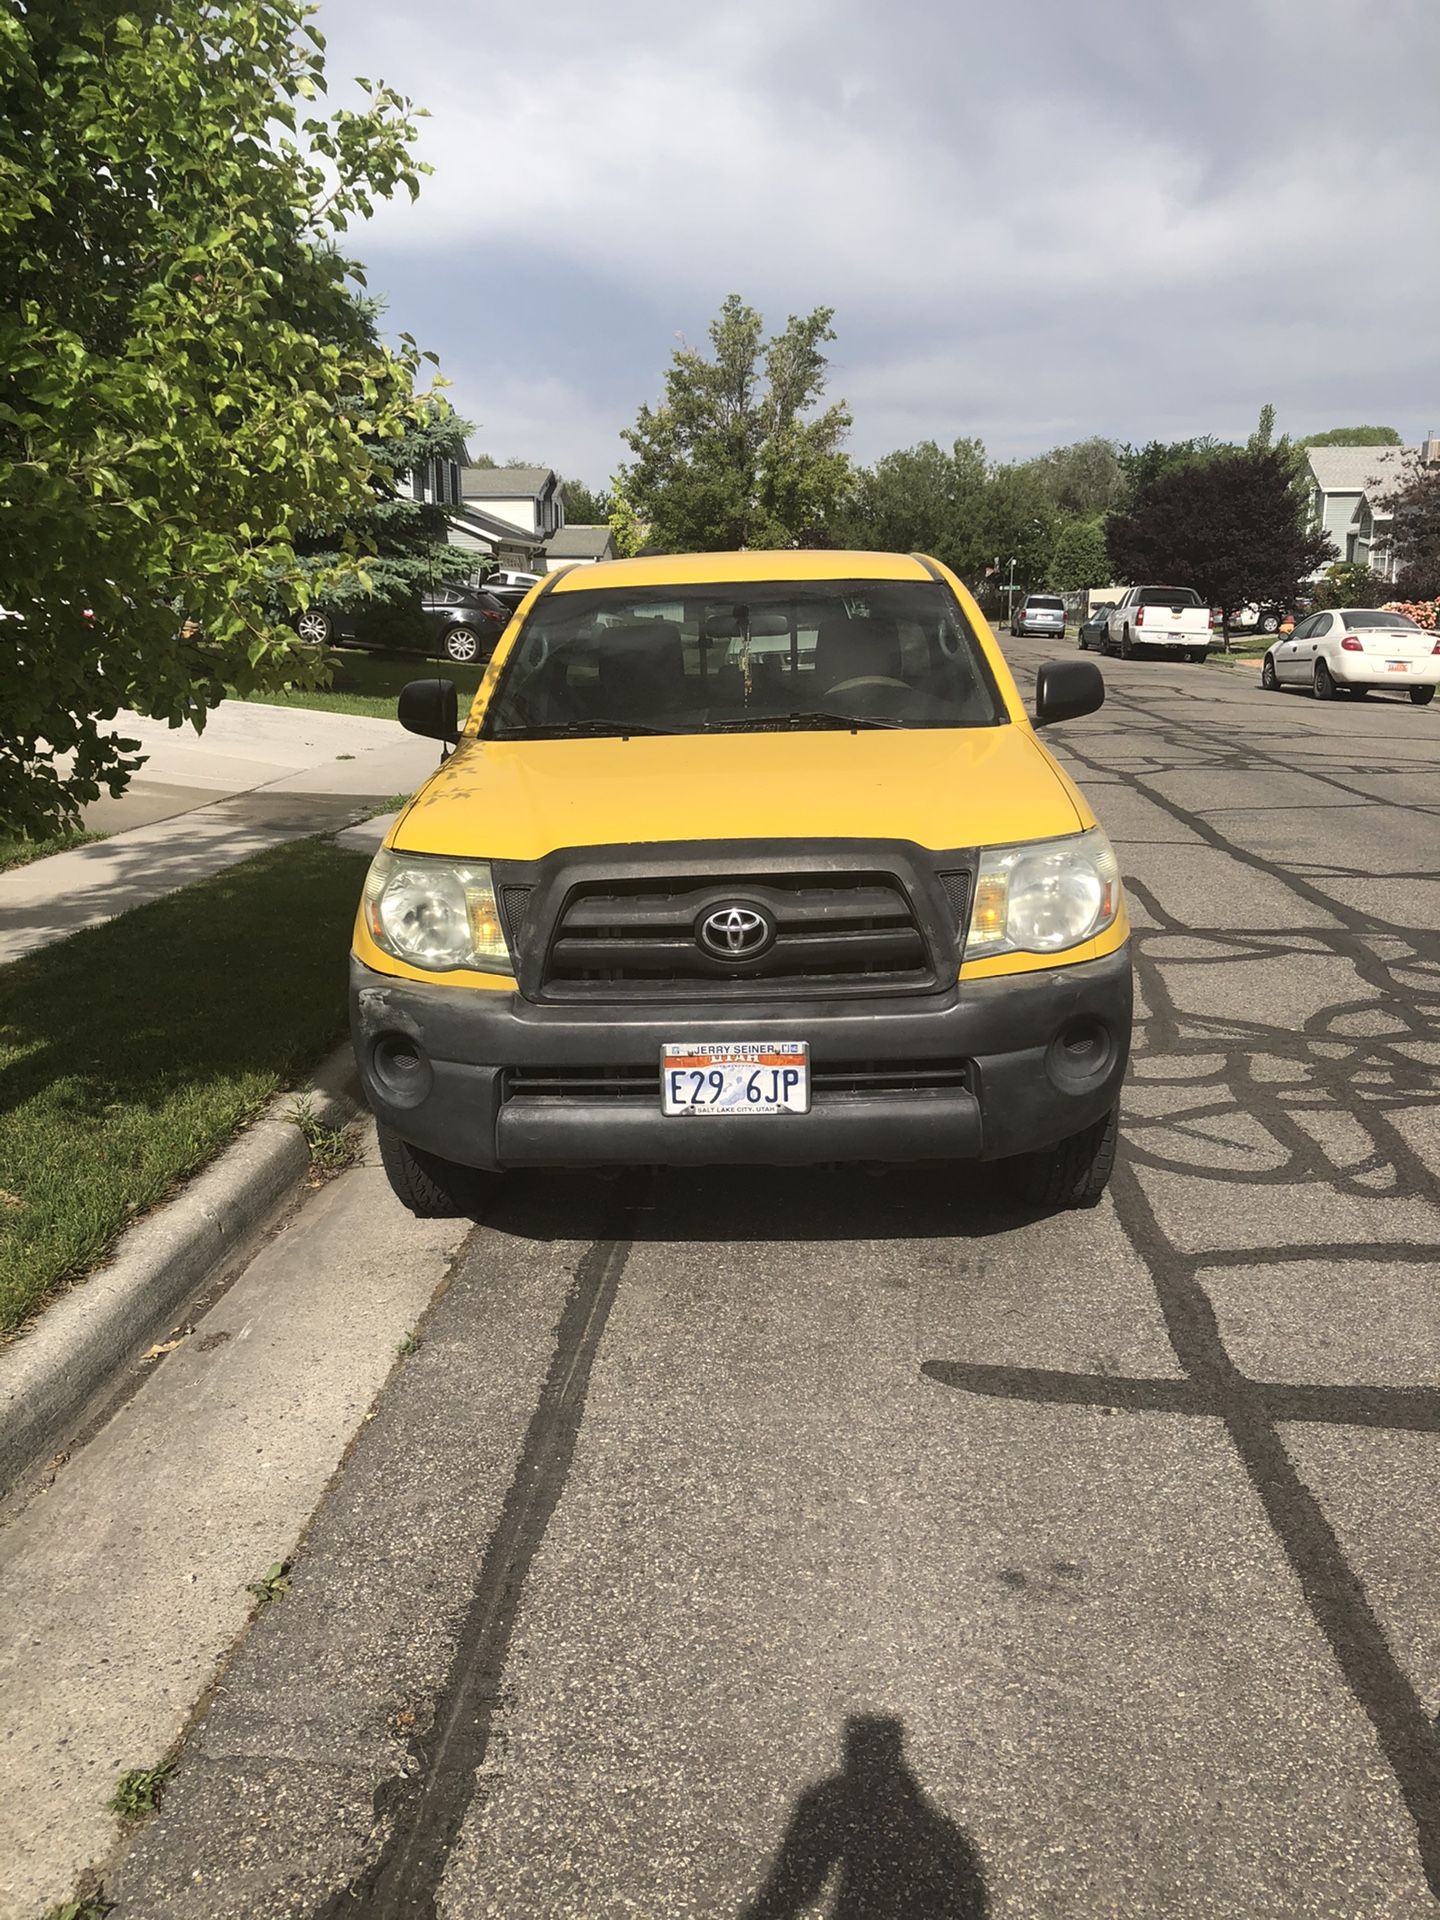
[870, 1828]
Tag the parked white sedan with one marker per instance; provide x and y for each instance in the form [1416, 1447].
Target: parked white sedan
[1357, 649]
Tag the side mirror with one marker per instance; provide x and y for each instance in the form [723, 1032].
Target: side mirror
[431, 708]
[1064, 689]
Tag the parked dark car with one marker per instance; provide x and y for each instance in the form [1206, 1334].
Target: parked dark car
[510, 591]
[1092, 627]
[462, 623]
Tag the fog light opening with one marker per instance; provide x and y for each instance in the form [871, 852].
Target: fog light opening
[401, 1067]
[1081, 1052]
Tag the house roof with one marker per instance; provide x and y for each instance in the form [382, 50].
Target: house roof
[1352, 469]
[505, 483]
[579, 543]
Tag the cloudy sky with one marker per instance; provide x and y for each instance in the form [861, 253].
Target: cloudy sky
[1035, 219]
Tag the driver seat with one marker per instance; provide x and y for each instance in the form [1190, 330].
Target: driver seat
[863, 649]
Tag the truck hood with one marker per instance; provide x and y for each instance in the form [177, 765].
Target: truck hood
[521, 800]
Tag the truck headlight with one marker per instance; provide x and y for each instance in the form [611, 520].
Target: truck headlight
[436, 914]
[1044, 896]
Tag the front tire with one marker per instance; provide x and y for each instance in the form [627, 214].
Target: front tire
[1421, 696]
[314, 627]
[1270, 623]
[1076, 1172]
[432, 1188]
[462, 646]
[1324, 682]
[1269, 679]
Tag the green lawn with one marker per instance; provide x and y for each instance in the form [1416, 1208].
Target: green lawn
[366, 682]
[130, 1053]
[17, 851]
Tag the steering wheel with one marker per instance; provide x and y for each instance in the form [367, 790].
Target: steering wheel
[867, 680]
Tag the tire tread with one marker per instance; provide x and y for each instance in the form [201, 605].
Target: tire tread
[1074, 1173]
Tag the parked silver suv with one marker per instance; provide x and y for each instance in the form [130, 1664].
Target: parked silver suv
[1042, 613]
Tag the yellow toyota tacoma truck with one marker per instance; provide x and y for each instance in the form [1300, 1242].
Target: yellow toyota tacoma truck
[744, 858]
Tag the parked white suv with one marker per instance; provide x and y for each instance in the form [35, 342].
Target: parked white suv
[1359, 649]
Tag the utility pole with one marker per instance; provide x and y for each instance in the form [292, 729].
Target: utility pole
[1010, 593]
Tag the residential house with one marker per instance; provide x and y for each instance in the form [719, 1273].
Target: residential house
[578, 546]
[505, 515]
[1348, 490]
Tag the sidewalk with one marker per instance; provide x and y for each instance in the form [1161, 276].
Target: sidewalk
[256, 777]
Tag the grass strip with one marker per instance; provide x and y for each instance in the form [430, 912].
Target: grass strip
[18, 851]
[132, 1052]
[369, 683]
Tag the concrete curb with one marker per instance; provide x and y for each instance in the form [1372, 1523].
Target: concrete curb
[85, 1339]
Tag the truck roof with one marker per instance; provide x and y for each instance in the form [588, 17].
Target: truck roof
[781, 563]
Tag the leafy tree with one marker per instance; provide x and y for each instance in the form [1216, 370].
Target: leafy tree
[1084, 479]
[1414, 507]
[1232, 526]
[1081, 558]
[921, 499]
[586, 506]
[1263, 438]
[1017, 520]
[1350, 584]
[405, 540]
[186, 376]
[737, 455]
[630, 531]
[1142, 466]
[1353, 437]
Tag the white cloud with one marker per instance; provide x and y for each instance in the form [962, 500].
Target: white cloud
[1031, 217]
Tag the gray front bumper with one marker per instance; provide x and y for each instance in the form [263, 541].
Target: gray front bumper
[438, 1063]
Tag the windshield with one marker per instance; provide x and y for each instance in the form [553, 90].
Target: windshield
[1378, 617]
[1046, 600]
[1169, 597]
[744, 658]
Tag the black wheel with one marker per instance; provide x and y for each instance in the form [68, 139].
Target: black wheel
[1076, 1172]
[1269, 679]
[432, 1188]
[1421, 696]
[1270, 623]
[461, 645]
[1324, 682]
[314, 626]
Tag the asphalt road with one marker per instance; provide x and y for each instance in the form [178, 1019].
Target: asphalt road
[754, 1545]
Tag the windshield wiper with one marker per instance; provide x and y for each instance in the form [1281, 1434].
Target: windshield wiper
[572, 729]
[813, 716]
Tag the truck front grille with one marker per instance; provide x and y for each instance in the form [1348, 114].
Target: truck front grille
[833, 932]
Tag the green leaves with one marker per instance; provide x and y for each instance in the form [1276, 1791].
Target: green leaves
[182, 357]
[737, 456]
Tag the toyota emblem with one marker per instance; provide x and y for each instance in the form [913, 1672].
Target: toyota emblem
[735, 931]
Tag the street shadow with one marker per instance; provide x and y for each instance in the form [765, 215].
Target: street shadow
[870, 1832]
[771, 1206]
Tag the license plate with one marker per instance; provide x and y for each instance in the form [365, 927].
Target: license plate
[1398, 666]
[735, 1076]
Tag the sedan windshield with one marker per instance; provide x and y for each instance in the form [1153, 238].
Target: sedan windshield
[744, 658]
[1378, 617]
